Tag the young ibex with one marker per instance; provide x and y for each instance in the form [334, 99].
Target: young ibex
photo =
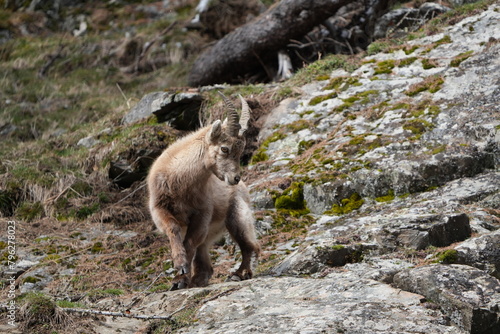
[195, 192]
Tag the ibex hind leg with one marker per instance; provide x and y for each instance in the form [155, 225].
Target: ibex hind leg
[240, 224]
[202, 267]
[196, 235]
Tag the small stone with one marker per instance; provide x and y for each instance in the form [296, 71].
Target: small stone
[88, 142]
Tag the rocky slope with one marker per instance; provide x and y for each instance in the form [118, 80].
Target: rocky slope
[382, 182]
[398, 164]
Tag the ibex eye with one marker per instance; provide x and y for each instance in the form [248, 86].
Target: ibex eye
[224, 150]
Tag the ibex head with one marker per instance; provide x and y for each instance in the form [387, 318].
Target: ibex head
[226, 142]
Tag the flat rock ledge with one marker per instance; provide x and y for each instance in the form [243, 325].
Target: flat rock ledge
[342, 302]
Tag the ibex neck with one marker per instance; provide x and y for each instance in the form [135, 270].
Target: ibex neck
[190, 165]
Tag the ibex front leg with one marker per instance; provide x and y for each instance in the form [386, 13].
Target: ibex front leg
[175, 232]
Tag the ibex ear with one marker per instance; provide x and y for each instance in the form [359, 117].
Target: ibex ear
[215, 131]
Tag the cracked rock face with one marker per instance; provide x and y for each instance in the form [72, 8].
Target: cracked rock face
[469, 296]
[425, 162]
[418, 148]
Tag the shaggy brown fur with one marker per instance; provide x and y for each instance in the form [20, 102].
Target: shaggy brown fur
[195, 193]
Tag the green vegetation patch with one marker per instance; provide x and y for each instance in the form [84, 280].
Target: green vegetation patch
[261, 155]
[97, 248]
[30, 211]
[445, 40]
[448, 257]
[417, 126]
[387, 198]
[401, 105]
[31, 279]
[361, 97]
[321, 98]
[342, 83]
[292, 200]
[301, 124]
[385, 66]
[377, 47]
[358, 145]
[86, 210]
[439, 149]
[407, 61]
[424, 107]
[324, 67]
[304, 145]
[409, 49]
[428, 63]
[457, 60]
[346, 205]
[432, 84]
[69, 304]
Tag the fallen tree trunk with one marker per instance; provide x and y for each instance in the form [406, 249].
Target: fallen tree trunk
[250, 46]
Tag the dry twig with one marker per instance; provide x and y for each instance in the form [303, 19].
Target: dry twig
[128, 314]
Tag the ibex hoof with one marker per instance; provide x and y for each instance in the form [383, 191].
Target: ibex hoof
[237, 277]
[178, 286]
[233, 278]
[179, 282]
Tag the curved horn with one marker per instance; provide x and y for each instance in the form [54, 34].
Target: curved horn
[232, 117]
[245, 115]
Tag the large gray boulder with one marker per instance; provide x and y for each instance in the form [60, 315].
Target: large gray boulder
[179, 110]
[470, 297]
[482, 252]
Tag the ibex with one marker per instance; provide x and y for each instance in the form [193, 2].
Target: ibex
[195, 193]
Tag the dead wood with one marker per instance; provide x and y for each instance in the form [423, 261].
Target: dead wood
[243, 50]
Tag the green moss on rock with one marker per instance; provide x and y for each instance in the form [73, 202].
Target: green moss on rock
[445, 40]
[31, 279]
[387, 198]
[417, 126]
[432, 84]
[428, 63]
[407, 61]
[385, 66]
[460, 58]
[304, 145]
[321, 98]
[448, 256]
[347, 205]
[292, 200]
[261, 154]
[342, 83]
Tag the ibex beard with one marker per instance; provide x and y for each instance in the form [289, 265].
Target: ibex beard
[195, 194]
